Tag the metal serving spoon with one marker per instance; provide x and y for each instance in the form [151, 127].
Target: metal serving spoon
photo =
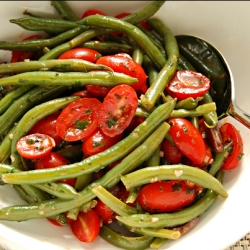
[209, 61]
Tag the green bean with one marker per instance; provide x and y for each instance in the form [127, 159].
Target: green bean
[39, 44]
[184, 64]
[51, 26]
[173, 172]
[167, 69]
[31, 118]
[98, 161]
[73, 213]
[51, 65]
[137, 56]
[64, 10]
[76, 79]
[157, 243]
[195, 121]
[112, 177]
[151, 70]
[132, 196]
[125, 242]
[24, 103]
[141, 112]
[188, 103]
[135, 33]
[154, 159]
[10, 97]
[82, 181]
[219, 159]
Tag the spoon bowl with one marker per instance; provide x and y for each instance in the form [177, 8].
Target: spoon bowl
[208, 60]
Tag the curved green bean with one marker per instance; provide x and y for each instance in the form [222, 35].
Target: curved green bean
[188, 103]
[173, 172]
[64, 10]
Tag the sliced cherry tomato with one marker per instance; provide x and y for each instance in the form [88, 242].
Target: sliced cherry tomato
[83, 93]
[187, 83]
[53, 160]
[136, 121]
[35, 146]
[171, 152]
[20, 56]
[81, 53]
[165, 196]
[188, 139]
[107, 215]
[54, 222]
[123, 63]
[98, 142]
[79, 119]
[231, 134]
[98, 91]
[117, 110]
[87, 226]
[47, 126]
[92, 12]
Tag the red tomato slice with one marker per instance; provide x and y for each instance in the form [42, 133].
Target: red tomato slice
[81, 53]
[35, 146]
[117, 110]
[98, 91]
[53, 160]
[123, 63]
[98, 142]
[87, 226]
[188, 139]
[171, 152]
[79, 119]
[92, 12]
[187, 83]
[47, 126]
[83, 93]
[165, 196]
[231, 134]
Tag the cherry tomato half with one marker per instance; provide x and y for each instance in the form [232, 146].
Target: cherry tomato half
[53, 160]
[79, 119]
[87, 226]
[92, 12]
[187, 83]
[81, 53]
[123, 63]
[35, 146]
[171, 152]
[165, 196]
[98, 142]
[97, 90]
[117, 110]
[188, 139]
[47, 126]
[231, 134]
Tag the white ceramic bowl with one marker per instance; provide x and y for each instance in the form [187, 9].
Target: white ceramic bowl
[225, 25]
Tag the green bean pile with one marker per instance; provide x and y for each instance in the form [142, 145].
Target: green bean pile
[41, 87]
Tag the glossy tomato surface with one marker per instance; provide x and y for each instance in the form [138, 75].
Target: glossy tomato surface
[231, 134]
[165, 196]
[187, 83]
[87, 226]
[123, 63]
[35, 146]
[188, 139]
[97, 90]
[171, 152]
[107, 215]
[91, 12]
[79, 119]
[117, 110]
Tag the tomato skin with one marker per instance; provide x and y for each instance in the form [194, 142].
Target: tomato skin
[83, 93]
[20, 56]
[188, 139]
[117, 110]
[87, 226]
[53, 160]
[79, 119]
[35, 146]
[98, 142]
[107, 215]
[165, 196]
[92, 12]
[86, 54]
[47, 125]
[231, 134]
[187, 83]
[123, 63]
[171, 152]
[98, 91]
[136, 121]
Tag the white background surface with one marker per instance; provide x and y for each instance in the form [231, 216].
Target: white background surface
[223, 24]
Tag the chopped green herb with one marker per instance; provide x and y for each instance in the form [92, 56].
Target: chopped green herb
[81, 124]
[111, 121]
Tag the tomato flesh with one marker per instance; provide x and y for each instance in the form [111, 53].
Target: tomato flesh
[231, 134]
[35, 146]
[117, 110]
[107, 215]
[171, 152]
[188, 139]
[87, 226]
[165, 196]
[79, 119]
[187, 83]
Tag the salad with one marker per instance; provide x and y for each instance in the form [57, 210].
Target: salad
[119, 127]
